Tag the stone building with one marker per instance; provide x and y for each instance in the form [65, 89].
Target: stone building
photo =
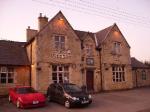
[141, 73]
[56, 53]
[14, 65]
[100, 61]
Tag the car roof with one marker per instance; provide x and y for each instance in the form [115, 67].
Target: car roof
[62, 84]
[23, 87]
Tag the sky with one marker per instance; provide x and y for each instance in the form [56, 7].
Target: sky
[131, 16]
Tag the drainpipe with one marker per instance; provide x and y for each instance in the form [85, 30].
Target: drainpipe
[100, 58]
[101, 75]
[31, 63]
[136, 82]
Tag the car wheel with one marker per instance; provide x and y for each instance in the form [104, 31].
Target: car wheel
[18, 104]
[9, 98]
[49, 98]
[67, 104]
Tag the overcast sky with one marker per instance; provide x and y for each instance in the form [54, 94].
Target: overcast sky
[131, 16]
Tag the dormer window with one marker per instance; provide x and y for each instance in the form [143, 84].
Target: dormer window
[60, 42]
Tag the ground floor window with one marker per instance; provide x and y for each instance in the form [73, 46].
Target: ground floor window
[60, 73]
[143, 75]
[6, 75]
[118, 73]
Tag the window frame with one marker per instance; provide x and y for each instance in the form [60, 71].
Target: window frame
[61, 72]
[118, 73]
[58, 43]
[89, 50]
[143, 75]
[10, 75]
[116, 47]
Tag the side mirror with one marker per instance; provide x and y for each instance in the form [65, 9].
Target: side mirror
[83, 88]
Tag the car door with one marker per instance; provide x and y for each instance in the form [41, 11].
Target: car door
[59, 94]
[52, 92]
[13, 95]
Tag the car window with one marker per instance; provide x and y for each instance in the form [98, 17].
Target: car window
[59, 88]
[25, 90]
[72, 88]
[53, 87]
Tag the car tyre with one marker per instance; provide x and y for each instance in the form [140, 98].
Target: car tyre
[48, 98]
[67, 104]
[9, 98]
[18, 104]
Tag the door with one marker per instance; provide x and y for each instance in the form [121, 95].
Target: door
[59, 94]
[89, 80]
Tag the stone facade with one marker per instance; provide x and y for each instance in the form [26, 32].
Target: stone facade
[87, 62]
[21, 76]
[140, 73]
[109, 58]
[141, 77]
[56, 53]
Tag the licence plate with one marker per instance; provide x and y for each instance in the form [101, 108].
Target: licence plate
[35, 102]
[84, 102]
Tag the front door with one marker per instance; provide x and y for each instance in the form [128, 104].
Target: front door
[89, 80]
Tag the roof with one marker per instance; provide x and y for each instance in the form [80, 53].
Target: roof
[137, 64]
[82, 34]
[102, 34]
[13, 53]
[58, 14]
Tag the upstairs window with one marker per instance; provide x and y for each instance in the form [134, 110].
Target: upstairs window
[6, 75]
[116, 48]
[89, 50]
[59, 42]
[143, 75]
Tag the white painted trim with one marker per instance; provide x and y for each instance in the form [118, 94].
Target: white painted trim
[95, 39]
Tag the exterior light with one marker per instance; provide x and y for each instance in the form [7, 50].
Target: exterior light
[32, 66]
[61, 19]
[116, 33]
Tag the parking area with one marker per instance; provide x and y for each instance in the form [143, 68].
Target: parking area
[137, 100]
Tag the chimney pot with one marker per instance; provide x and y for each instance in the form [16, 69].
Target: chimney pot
[28, 27]
[40, 14]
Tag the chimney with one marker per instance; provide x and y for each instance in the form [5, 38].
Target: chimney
[42, 21]
[30, 33]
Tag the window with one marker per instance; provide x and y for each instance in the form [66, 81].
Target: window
[143, 75]
[116, 48]
[60, 73]
[118, 73]
[89, 61]
[89, 50]
[6, 75]
[59, 42]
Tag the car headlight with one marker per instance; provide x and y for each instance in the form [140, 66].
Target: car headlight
[90, 97]
[75, 98]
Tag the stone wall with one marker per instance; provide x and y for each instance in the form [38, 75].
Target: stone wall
[108, 59]
[137, 77]
[21, 78]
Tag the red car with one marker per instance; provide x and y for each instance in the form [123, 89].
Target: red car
[25, 97]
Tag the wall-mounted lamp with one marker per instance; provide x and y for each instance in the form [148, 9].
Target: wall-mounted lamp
[32, 66]
[61, 19]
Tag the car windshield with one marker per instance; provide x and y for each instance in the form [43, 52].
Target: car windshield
[72, 88]
[25, 90]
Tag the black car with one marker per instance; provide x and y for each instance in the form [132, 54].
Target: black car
[68, 94]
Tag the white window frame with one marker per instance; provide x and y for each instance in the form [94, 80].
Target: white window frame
[61, 44]
[64, 74]
[5, 70]
[118, 73]
[116, 47]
